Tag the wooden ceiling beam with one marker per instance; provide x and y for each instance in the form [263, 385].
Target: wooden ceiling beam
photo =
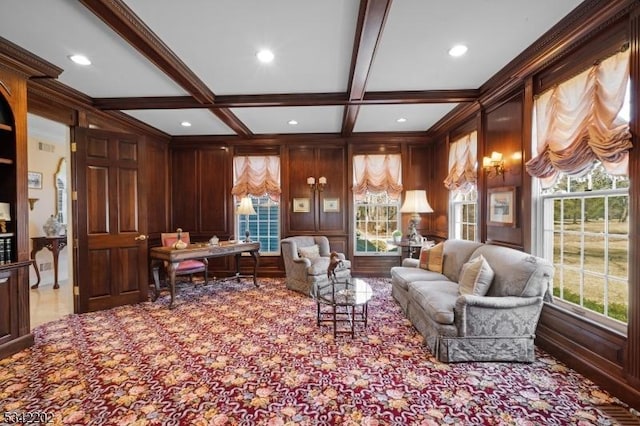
[119, 17]
[290, 100]
[371, 20]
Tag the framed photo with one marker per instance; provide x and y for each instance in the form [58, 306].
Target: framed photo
[331, 205]
[34, 180]
[301, 205]
[502, 206]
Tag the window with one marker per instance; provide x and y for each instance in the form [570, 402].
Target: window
[258, 178]
[583, 224]
[376, 219]
[462, 215]
[376, 194]
[264, 226]
[586, 234]
[462, 185]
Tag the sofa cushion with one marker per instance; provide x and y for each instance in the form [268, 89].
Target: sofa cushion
[423, 260]
[403, 275]
[456, 254]
[436, 298]
[311, 252]
[476, 277]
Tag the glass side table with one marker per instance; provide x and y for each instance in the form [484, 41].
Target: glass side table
[344, 301]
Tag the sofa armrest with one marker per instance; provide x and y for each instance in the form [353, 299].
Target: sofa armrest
[497, 316]
[410, 262]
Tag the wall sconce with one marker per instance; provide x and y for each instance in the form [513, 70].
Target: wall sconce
[494, 162]
[311, 181]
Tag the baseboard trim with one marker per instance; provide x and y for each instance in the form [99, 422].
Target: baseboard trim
[16, 345]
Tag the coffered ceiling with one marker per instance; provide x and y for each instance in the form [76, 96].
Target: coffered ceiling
[340, 66]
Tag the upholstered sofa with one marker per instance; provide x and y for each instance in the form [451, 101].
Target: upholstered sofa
[305, 273]
[498, 326]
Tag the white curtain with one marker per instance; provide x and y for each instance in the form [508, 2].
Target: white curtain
[576, 123]
[463, 164]
[256, 176]
[377, 173]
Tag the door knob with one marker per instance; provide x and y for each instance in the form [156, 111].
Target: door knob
[141, 237]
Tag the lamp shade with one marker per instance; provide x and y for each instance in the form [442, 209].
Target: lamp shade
[246, 206]
[415, 201]
[5, 211]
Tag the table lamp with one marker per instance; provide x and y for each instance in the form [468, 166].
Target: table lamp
[5, 216]
[246, 208]
[415, 202]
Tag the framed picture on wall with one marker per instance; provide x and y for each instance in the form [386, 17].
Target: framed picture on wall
[502, 204]
[301, 205]
[34, 180]
[331, 205]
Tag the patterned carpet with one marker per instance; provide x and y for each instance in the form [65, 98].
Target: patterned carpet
[231, 353]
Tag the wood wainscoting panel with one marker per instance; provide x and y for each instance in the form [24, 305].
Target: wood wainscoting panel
[184, 190]
[215, 192]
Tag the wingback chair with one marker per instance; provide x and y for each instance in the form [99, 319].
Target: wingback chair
[188, 267]
[304, 272]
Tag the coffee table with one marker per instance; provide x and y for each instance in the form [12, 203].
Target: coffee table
[346, 301]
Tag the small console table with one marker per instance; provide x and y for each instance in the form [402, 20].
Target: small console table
[55, 246]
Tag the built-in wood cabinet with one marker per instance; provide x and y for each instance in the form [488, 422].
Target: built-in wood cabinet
[14, 261]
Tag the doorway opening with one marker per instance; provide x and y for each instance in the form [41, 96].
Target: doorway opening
[50, 227]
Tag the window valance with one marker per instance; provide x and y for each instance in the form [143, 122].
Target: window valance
[577, 123]
[463, 164]
[256, 176]
[377, 173]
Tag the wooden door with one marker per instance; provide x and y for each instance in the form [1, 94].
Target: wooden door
[112, 265]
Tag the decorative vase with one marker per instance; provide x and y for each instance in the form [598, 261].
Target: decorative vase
[52, 227]
[179, 244]
[214, 241]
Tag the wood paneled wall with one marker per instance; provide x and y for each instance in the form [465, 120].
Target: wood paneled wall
[608, 357]
[503, 133]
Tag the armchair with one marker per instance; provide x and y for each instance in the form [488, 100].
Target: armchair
[188, 267]
[304, 274]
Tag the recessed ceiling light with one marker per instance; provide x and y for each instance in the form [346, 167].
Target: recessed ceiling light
[185, 124]
[292, 122]
[458, 50]
[265, 55]
[401, 120]
[80, 59]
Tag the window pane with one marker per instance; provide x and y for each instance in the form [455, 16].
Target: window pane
[619, 257]
[618, 217]
[593, 293]
[618, 305]
[594, 253]
[572, 250]
[594, 214]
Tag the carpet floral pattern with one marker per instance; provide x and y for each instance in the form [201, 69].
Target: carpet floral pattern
[230, 353]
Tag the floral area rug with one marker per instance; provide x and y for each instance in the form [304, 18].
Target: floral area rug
[230, 353]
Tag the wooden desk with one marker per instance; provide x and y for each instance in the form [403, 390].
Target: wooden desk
[159, 255]
[55, 246]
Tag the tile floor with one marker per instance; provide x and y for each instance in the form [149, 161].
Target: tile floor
[47, 304]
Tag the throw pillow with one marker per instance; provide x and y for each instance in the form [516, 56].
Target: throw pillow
[423, 262]
[311, 252]
[436, 258]
[475, 277]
